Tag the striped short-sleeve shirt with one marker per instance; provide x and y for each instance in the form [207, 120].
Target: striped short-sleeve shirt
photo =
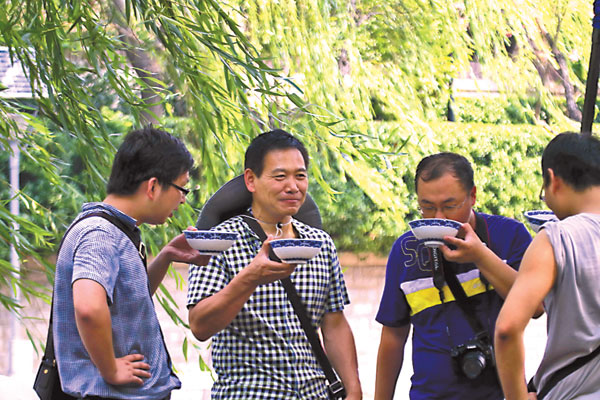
[264, 353]
[96, 249]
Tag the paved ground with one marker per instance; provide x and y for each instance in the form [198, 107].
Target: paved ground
[364, 284]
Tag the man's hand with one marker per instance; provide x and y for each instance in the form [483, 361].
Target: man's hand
[128, 369]
[263, 270]
[468, 250]
[179, 250]
[214, 313]
[472, 250]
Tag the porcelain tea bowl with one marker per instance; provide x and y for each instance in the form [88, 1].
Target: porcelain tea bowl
[432, 230]
[296, 251]
[210, 243]
[537, 218]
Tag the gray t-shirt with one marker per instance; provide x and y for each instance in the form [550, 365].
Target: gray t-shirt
[573, 307]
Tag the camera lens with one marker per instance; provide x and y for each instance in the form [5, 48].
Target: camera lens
[473, 363]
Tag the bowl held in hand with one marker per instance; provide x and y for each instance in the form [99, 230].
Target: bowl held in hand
[296, 251]
[210, 243]
[537, 218]
[432, 230]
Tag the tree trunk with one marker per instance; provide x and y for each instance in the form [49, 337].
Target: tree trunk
[146, 68]
[563, 70]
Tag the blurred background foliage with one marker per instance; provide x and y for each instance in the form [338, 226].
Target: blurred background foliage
[368, 85]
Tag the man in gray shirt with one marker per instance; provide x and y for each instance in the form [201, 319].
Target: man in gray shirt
[561, 267]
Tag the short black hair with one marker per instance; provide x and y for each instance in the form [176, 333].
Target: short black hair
[277, 139]
[147, 153]
[575, 158]
[436, 165]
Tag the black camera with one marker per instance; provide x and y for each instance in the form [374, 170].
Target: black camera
[474, 356]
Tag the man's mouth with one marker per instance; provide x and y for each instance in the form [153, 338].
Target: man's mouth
[291, 200]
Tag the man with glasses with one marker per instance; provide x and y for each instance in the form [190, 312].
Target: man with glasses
[562, 269]
[107, 339]
[484, 258]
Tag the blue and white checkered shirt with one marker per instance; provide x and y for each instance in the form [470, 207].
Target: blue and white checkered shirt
[264, 353]
[96, 249]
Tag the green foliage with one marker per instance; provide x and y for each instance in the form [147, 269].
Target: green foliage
[321, 69]
[506, 160]
[504, 110]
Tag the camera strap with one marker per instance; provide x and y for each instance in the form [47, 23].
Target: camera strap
[444, 272]
[449, 276]
[336, 387]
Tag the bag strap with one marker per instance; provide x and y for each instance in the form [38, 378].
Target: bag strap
[562, 373]
[336, 387]
[131, 234]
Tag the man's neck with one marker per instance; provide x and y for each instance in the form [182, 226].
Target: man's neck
[587, 201]
[127, 205]
[277, 226]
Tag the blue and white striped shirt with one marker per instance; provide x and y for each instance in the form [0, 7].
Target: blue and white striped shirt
[96, 249]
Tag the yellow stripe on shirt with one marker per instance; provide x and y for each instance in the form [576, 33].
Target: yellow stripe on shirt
[422, 294]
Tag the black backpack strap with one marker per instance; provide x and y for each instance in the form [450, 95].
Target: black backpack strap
[336, 388]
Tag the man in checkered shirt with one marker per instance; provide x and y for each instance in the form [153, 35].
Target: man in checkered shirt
[259, 348]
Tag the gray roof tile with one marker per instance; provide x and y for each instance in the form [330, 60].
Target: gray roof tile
[12, 77]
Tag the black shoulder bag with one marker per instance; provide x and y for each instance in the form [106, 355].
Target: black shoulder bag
[335, 387]
[47, 380]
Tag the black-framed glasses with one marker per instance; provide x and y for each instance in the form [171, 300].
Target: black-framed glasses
[181, 189]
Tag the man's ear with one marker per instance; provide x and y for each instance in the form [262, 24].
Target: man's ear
[151, 187]
[473, 195]
[554, 182]
[250, 180]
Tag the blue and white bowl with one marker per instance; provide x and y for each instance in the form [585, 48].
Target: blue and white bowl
[537, 218]
[210, 243]
[432, 230]
[296, 251]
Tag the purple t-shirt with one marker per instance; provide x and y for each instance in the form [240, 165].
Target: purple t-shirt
[409, 296]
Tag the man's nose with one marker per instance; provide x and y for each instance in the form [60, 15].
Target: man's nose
[439, 213]
[291, 185]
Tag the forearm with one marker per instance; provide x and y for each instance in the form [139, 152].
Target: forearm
[157, 270]
[177, 250]
[95, 330]
[501, 276]
[388, 370]
[213, 314]
[497, 272]
[510, 359]
[390, 358]
[341, 351]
